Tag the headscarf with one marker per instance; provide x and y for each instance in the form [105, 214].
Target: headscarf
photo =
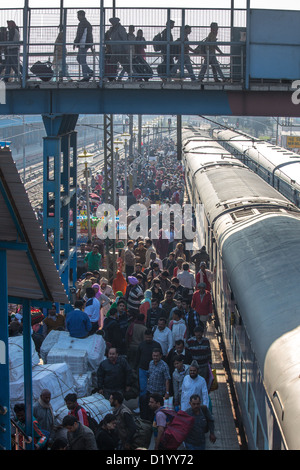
[132, 280]
[119, 283]
[147, 297]
[98, 293]
[119, 295]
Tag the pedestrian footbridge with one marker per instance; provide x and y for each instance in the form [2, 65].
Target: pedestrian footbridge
[257, 71]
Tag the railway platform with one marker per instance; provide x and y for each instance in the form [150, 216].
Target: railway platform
[226, 426]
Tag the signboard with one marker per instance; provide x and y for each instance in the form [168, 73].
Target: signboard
[293, 141]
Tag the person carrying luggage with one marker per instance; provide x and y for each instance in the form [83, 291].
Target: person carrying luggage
[119, 52]
[186, 58]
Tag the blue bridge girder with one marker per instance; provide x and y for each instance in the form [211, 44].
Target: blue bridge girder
[258, 63]
[169, 99]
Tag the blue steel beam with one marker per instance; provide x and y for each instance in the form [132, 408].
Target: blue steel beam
[226, 102]
[5, 438]
[60, 148]
[27, 358]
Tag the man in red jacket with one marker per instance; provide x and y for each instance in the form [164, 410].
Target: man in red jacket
[202, 303]
[76, 410]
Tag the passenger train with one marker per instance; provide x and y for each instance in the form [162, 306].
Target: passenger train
[276, 165]
[252, 233]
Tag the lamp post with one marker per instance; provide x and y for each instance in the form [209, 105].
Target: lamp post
[125, 135]
[117, 143]
[87, 158]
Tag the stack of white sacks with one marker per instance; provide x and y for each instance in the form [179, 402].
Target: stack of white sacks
[67, 365]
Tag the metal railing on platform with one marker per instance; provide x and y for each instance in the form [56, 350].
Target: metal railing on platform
[19, 438]
[51, 45]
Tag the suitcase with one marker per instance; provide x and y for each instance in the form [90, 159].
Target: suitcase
[162, 70]
[141, 69]
[42, 70]
[110, 71]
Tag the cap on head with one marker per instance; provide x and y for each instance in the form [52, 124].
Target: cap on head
[202, 285]
[114, 20]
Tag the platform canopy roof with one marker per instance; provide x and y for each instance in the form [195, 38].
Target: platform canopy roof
[31, 271]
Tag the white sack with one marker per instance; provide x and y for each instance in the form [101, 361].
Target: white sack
[83, 384]
[77, 359]
[55, 377]
[16, 360]
[94, 345]
[96, 405]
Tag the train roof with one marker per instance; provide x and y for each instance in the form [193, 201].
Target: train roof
[235, 186]
[269, 155]
[262, 259]
[258, 234]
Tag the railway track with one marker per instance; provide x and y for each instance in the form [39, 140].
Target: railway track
[34, 176]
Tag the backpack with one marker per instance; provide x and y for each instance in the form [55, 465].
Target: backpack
[93, 425]
[143, 433]
[177, 429]
[157, 47]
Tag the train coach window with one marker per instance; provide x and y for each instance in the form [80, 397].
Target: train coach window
[243, 379]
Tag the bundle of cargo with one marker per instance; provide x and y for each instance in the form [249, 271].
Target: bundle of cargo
[95, 404]
[57, 378]
[16, 357]
[77, 359]
[93, 345]
[83, 384]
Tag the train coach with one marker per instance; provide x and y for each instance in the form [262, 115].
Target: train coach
[276, 165]
[252, 233]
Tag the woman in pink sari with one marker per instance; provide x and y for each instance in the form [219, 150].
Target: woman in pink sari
[104, 302]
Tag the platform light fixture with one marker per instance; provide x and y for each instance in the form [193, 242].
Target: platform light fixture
[87, 158]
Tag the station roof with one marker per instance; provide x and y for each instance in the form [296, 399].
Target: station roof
[31, 271]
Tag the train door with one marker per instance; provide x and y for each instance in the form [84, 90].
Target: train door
[213, 263]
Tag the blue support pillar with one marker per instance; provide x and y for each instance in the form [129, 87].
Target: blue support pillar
[59, 191]
[73, 204]
[27, 371]
[5, 438]
[26, 27]
[247, 72]
[51, 193]
[65, 206]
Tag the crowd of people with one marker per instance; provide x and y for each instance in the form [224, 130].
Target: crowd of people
[153, 316]
[120, 59]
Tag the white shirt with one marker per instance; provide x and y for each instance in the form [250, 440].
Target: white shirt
[193, 386]
[164, 338]
[186, 279]
[93, 310]
[151, 249]
[159, 262]
[178, 330]
[211, 276]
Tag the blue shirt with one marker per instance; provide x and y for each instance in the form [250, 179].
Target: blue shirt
[78, 323]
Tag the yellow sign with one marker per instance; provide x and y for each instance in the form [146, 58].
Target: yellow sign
[293, 141]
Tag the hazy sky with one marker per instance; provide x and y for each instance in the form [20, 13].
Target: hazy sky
[270, 4]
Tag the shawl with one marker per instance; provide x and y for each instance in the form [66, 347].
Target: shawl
[119, 283]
